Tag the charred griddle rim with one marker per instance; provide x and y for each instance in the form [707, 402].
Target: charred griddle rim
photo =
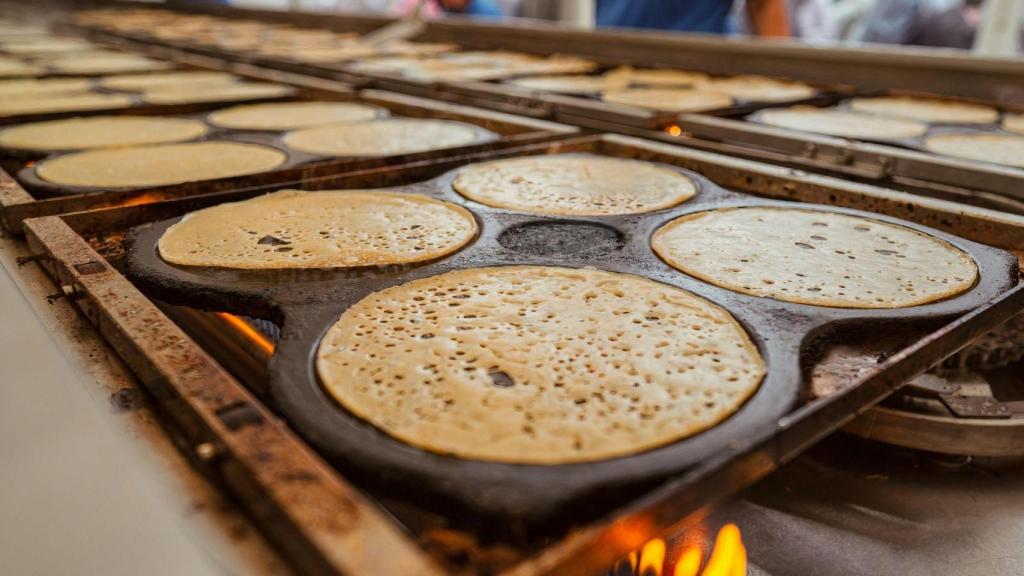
[520, 496]
[591, 549]
[322, 523]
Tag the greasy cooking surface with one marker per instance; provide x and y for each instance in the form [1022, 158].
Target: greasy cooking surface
[309, 302]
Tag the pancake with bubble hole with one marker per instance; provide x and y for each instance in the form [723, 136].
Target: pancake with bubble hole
[574, 184]
[386, 137]
[538, 365]
[325, 229]
[100, 132]
[815, 257]
[926, 109]
[293, 115]
[159, 165]
[842, 123]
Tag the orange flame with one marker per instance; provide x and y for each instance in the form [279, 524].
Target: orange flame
[674, 130]
[248, 331]
[728, 557]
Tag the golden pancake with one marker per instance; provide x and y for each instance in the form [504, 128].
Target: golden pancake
[46, 45]
[762, 89]
[189, 79]
[579, 185]
[106, 64]
[328, 229]
[670, 99]
[215, 93]
[293, 115]
[841, 123]
[386, 137]
[159, 165]
[570, 84]
[33, 88]
[1014, 123]
[99, 132]
[14, 68]
[996, 148]
[815, 257]
[538, 365]
[926, 109]
[666, 77]
[57, 103]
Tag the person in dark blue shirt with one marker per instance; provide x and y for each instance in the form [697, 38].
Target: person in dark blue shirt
[480, 8]
[768, 17]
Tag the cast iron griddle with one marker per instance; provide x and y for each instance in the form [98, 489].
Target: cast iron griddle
[308, 302]
[29, 177]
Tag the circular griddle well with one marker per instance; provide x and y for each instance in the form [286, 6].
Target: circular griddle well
[308, 302]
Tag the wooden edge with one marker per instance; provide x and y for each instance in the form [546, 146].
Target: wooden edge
[974, 223]
[12, 197]
[322, 523]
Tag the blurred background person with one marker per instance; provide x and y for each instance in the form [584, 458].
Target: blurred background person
[767, 17]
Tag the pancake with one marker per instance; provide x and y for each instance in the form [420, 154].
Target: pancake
[670, 99]
[538, 365]
[996, 148]
[106, 64]
[63, 103]
[1014, 123]
[159, 165]
[14, 68]
[293, 115]
[841, 123]
[141, 82]
[46, 45]
[570, 84]
[329, 229]
[100, 132]
[815, 257]
[762, 89]
[386, 137]
[215, 93]
[657, 76]
[578, 185]
[926, 109]
[32, 88]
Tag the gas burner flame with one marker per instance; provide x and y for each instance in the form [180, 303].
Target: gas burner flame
[728, 557]
[674, 130]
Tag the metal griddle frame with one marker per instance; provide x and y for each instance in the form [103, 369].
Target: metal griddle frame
[325, 525]
[871, 69]
[17, 204]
